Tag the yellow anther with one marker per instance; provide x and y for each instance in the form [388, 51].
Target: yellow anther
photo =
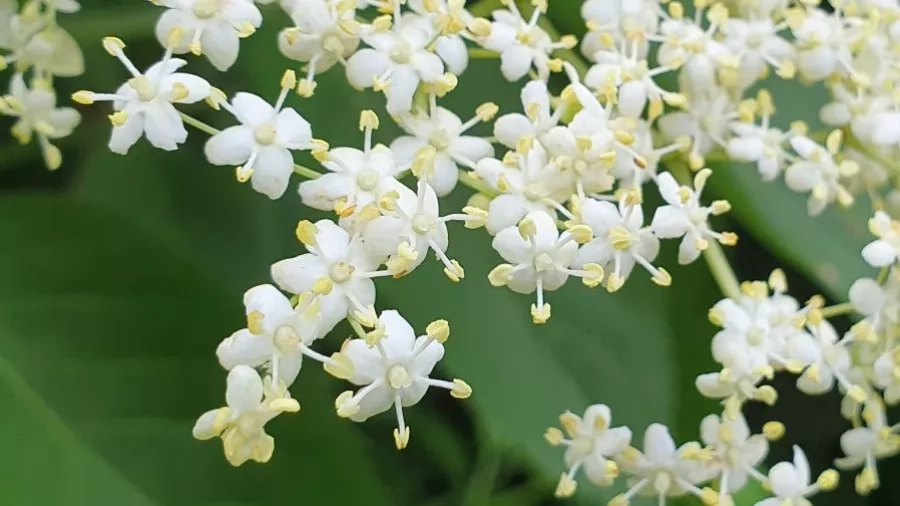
[255, 322]
[614, 283]
[620, 238]
[554, 436]
[566, 486]
[828, 480]
[540, 315]
[477, 217]
[594, 276]
[340, 366]
[52, 156]
[118, 118]
[773, 430]
[624, 137]
[479, 27]
[857, 393]
[367, 318]
[375, 336]
[510, 159]
[719, 207]
[388, 200]
[216, 98]
[524, 144]
[322, 286]
[555, 65]
[715, 317]
[696, 161]
[401, 439]
[439, 330]
[381, 23]
[180, 92]
[461, 389]
[285, 405]
[619, 500]
[662, 277]
[113, 45]
[83, 97]
[676, 10]
[728, 238]
[767, 395]
[346, 405]
[527, 228]
[368, 120]
[500, 275]
[581, 233]
[834, 140]
[709, 496]
[289, 80]
[487, 111]
[306, 232]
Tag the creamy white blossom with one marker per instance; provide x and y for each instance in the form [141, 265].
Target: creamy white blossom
[790, 481]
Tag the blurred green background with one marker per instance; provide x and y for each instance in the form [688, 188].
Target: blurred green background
[120, 275]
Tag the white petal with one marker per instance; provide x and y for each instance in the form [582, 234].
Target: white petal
[321, 193]
[377, 401]
[509, 128]
[454, 53]
[867, 296]
[198, 88]
[221, 45]
[364, 66]
[400, 337]
[203, 429]
[252, 110]
[404, 81]
[658, 444]
[670, 222]
[244, 348]
[272, 171]
[384, 234]
[446, 175]
[802, 176]
[274, 306]
[600, 216]
[506, 211]
[471, 148]
[879, 253]
[510, 245]
[245, 389]
[123, 137]
[231, 146]
[293, 131]
[515, 62]
[687, 250]
[163, 127]
[297, 275]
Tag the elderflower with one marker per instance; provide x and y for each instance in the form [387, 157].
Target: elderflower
[592, 445]
[336, 273]
[536, 121]
[817, 172]
[251, 403]
[735, 451]
[443, 130]
[862, 446]
[261, 144]
[685, 217]
[885, 249]
[394, 367]
[209, 27]
[620, 241]
[540, 259]
[37, 114]
[790, 482]
[144, 105]
[276, 334]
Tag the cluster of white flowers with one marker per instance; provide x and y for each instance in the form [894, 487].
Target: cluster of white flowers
[562, 187]
[37, 50]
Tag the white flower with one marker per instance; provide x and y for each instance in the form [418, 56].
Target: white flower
[738, 381]
[357, 179]
[210, 27]
[276, 335]
[241, 424]
[823, 43]
[662, 470]
[447, 19]
[443, 130]
[36, 113]
[592, 445]
[879, 304]
[620, 241]
[536, 121]
[817, 172]
[705, 121]
[31, 43]
[540, 258]
[832, 366]
[526, 182]
[736, 452]
[336, 275]
[638, 162]
[695, 50]
[397, 63]
[393, 367]
[762, 145]
[862, 446]
[886, 375]
[324, 34]
[522, 43]
[884, 250]
[144, 104]
[261, 144]
[684, 216]
[411, 225]
[634, 78]
[758, 45]
[790, 482]
[631, 20]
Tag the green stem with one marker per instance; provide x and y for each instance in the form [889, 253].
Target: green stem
[837, 310]
[477, 53]
[211, 130]
[713, 255]
[357, 327]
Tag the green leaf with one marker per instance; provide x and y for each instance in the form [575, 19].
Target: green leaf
[107, 360]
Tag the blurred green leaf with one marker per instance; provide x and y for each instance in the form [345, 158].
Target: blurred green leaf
[107, 361]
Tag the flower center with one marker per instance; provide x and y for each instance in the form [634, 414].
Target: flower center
[543, 262]
[367, 179]
[422, 224]
[144, 88]
[756, 336]
[265, 134]
[286, 339]
[534, 191]
[205, 9]
[340, 272]
[402, 52]
[398, 377]
[440, 139]
[620, 238]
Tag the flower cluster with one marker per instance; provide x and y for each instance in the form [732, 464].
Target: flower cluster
[37, 50]
[562, 184]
